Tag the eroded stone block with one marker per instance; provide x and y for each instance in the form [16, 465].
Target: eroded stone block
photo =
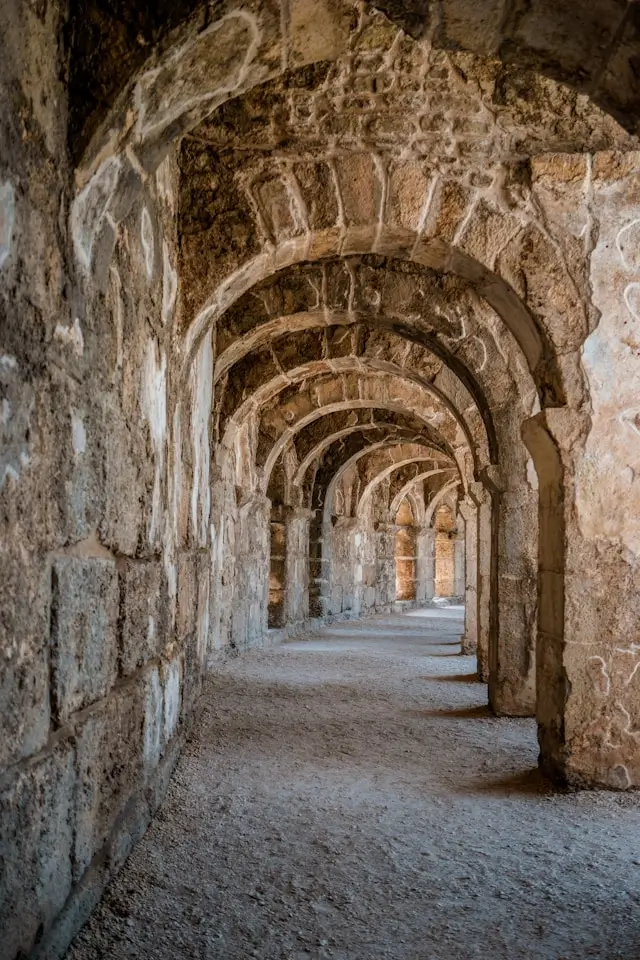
[36, 837]
[24, 660]
[142, 621]
[110, 754]
[83, 632]
[172, 689]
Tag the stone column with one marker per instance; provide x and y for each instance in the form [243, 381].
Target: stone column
[588, 705]
[277, 567]
[469, 512]
[482, 501]
[459, 564]
[296, 595]
[319, 565]
[406, 536]
[512, 689]
[426, 565]
[342, 569]
[251, 589]
[385, 566]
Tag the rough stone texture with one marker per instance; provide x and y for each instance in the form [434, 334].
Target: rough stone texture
[84, 614]
[38, 846]
[285, 263]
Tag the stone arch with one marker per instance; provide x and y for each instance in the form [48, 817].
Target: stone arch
[283, 436]
[450, 396]
[404, 246]
[405, 490]
[170, 178]
[442, 411]
[439, 464]
[574, 379]
[600, 47]
[383, 475]
[326, 526]
[338, 444]
[437, 500]
[317, 451]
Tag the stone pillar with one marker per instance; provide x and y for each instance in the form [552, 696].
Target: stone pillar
[483, 576]
[459, 564]
[512, 687]
[251, 588]
[319, 565]
[469, 512]
[296, 594]
[405, 563]
[588, 704]
[385, 566]
[342, 569]
[426, 565]
[277, 567]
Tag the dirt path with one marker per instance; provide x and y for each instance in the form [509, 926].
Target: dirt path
[350, 797]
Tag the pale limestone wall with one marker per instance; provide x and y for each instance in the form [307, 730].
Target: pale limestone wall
[104, 591]
[186, 326]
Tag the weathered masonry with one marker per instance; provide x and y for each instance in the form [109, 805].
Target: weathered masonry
[307, 309]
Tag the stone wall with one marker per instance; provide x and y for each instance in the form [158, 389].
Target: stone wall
[299, 305]
[105, 589]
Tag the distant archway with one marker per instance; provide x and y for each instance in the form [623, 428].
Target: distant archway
[406, 552]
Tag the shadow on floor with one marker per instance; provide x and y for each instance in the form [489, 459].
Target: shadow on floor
[454, 678]
[463, 713]
[529, 782]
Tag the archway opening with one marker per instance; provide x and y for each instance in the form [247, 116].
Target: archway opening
[445, 541]
[277, 569]
[406, 552]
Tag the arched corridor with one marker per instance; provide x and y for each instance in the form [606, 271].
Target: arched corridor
[313, 314]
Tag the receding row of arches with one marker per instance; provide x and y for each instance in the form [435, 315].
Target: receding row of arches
[428, 562]
[307, 315]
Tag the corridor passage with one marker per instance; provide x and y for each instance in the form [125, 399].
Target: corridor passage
[349, 796]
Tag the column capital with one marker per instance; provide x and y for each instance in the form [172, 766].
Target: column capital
[478, 493]
[492, 480]
[381, 526]
[467, 508]
[298, 513]
[344, 522]
[424, 529]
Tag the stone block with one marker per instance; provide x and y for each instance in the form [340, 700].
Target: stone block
[36, 837]
[473, 26]
[142, 619]
[153, 719]
[84, 614]
[186, 621]
[360, 188]
[319, 193]
[319, 30]
[408, 192]
[124, 485]
[110, 753]
[24, 657]
[172, 698]
[277, 203]
[336, 600]
[278, 539]
[551, 33]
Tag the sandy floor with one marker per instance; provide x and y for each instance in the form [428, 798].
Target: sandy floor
[349, 796]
